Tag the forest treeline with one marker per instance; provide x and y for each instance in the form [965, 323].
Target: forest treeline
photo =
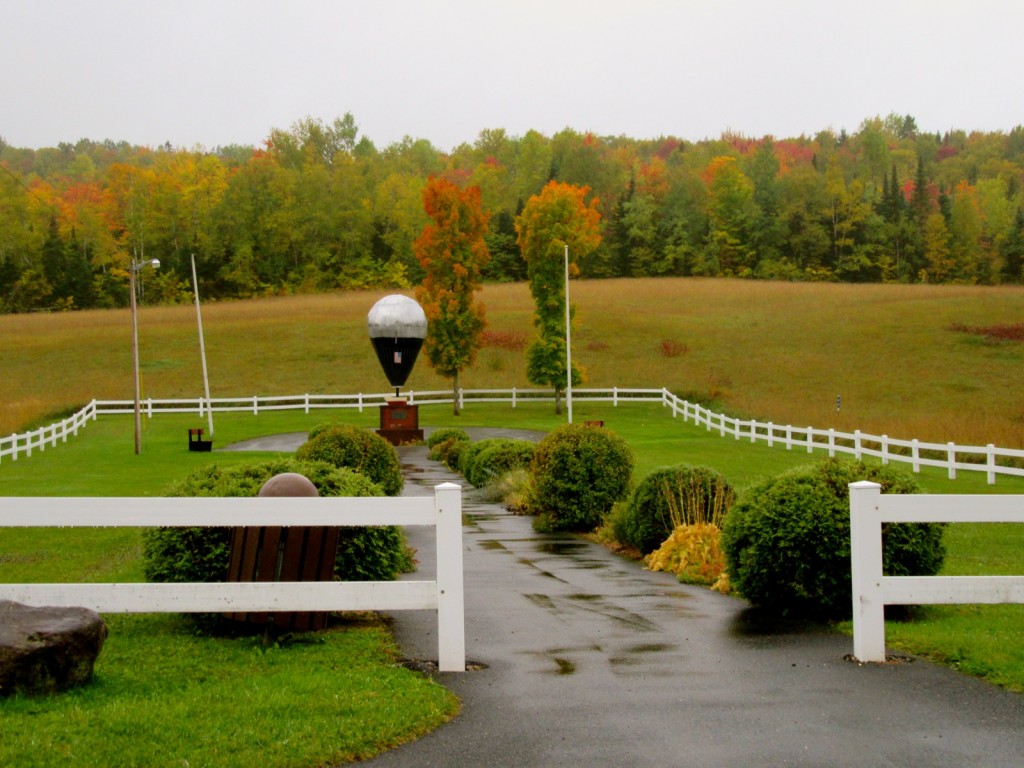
[318, 207]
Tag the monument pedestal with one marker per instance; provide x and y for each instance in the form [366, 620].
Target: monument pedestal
[400, 422]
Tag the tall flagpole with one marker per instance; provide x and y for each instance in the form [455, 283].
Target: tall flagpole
[568, 339]
[202, 348]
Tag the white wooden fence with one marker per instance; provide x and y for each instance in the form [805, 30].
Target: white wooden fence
[444, 594]
[872, 591]
[25, 442]
[989, 459]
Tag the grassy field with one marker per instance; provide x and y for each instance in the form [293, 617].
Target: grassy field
[778, 352]
[775, 351]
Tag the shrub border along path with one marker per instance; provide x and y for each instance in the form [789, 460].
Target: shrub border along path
[559, 620]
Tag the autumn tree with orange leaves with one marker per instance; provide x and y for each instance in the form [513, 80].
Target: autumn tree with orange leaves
[453, 253]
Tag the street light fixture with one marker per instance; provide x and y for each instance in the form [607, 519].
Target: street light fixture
[136, 266]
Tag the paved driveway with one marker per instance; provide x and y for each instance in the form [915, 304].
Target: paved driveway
[592, 661]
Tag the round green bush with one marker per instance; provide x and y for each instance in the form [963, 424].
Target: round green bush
[468, 454]
[669, 497]
[443, 434]
[450, 452]
[377, 553]
[344, 445]
[495, 456]
[787, 540]
[578, 472]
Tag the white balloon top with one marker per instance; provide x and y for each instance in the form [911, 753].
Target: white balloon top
[397, 316]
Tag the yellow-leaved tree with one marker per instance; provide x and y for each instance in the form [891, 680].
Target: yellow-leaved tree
[550, 221]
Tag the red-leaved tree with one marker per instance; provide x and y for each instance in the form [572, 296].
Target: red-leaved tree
[452, 252]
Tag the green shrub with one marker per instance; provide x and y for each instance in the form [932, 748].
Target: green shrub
[577, 473]
[787, 540]
[360, 449]
[467, 456]
[443, 434]
[450, 452]
[377, 553]
[487, 459]
[447, 452]
[510, 489]
[668, 498]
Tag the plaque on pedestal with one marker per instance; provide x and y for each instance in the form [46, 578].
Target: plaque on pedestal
[400, 422]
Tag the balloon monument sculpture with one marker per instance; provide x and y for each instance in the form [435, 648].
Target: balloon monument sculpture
[398, 326]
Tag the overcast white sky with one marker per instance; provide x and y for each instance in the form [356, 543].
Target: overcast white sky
[217, 72]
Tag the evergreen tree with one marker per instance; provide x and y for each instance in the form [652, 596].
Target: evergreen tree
[1012, 251]
[54, 262]
[79, 273]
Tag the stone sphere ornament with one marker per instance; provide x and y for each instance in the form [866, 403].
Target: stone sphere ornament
[397, 327]
[290, 484]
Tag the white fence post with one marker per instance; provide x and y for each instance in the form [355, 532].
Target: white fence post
[915, 455]
[885, 449]
[951, 456]
[872, 590]
[451, 632]
[866, 571]
[991, 463]
[810, 439]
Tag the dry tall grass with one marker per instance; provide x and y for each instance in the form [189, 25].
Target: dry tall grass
[776, 351]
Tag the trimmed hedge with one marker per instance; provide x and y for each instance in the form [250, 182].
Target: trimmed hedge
[670, 497]
[449, 451]
[344, 445]
[578, 472]
[483, 461]
[787, 541]
[441, 434]
[174, 554]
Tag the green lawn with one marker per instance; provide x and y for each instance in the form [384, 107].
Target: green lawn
[164, 694]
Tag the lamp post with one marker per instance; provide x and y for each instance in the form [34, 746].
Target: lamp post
[136, 266]
[568, 339]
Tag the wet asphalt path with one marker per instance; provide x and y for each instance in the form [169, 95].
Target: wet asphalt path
[589, 660]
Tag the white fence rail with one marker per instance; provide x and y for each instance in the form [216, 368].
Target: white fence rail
[38, 439]
[989, 459]
[872, 591]
[444, 594]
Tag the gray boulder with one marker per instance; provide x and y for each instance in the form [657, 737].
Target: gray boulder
[47, 649]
